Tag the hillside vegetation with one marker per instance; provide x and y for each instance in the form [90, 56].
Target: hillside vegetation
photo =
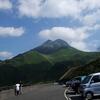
[91, 67]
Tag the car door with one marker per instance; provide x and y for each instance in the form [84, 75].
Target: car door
[95, 84]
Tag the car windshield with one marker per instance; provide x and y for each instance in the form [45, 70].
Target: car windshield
[86, 79]
[80, 78]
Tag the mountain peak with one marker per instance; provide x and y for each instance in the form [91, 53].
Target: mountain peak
[48, 42]
[58, 42]
[61, 42]
[51, 46]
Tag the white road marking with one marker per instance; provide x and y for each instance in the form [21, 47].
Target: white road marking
[67, 98]
[77, 95]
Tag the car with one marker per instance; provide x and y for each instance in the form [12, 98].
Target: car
[68, 83]
[75, 82]
[90, 86]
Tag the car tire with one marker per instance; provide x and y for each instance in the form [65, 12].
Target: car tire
[89, 96]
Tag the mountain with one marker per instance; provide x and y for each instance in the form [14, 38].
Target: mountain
[47, 62]
[52, 46]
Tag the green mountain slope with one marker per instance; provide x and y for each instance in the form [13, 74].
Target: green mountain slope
[30, 57]
[66, 58]
[47, 62]
[73, 55]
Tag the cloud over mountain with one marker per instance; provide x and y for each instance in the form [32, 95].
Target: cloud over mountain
[74, 36]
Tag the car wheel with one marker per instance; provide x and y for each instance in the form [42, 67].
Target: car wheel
[89, 96]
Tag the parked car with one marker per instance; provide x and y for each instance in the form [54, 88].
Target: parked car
[90, 86]
[75, 82]
[68, 83]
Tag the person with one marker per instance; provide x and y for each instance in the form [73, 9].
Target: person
[17, 89]
[21, 87]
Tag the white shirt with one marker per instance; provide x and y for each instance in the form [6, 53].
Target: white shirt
[17, 87]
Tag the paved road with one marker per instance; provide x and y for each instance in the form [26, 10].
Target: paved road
[77, 97]
[38, 92]
[74, 96]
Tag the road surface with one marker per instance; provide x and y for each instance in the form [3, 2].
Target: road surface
[72, 96]
[77, 97]
[37, 92]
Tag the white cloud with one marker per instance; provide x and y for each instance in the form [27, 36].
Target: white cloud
[80, 45]
[76, 37]
[5, 54]
[48, 8]
[60, 8]
[11, 31]
[64, 33]
[92, 18]
[56, 8]
[5, 4]
[86, 11]
[90, 4]
[29, 7]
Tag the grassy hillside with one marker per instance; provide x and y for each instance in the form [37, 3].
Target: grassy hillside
[68, 58]
[91, 67]
[30, 57]
[72, 54]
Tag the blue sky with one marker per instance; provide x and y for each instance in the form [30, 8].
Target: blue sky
[25, 24]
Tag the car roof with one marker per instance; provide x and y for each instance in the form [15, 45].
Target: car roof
[95, 73]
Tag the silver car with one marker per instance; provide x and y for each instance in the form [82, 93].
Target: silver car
[90, 86]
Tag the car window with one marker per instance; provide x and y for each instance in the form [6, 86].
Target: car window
[86, 79]
[96, 79]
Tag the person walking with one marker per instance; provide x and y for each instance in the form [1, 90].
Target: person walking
[17, 89]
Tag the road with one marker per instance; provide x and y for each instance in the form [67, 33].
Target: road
[72, 96]
[37, 92]
[77, 97]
